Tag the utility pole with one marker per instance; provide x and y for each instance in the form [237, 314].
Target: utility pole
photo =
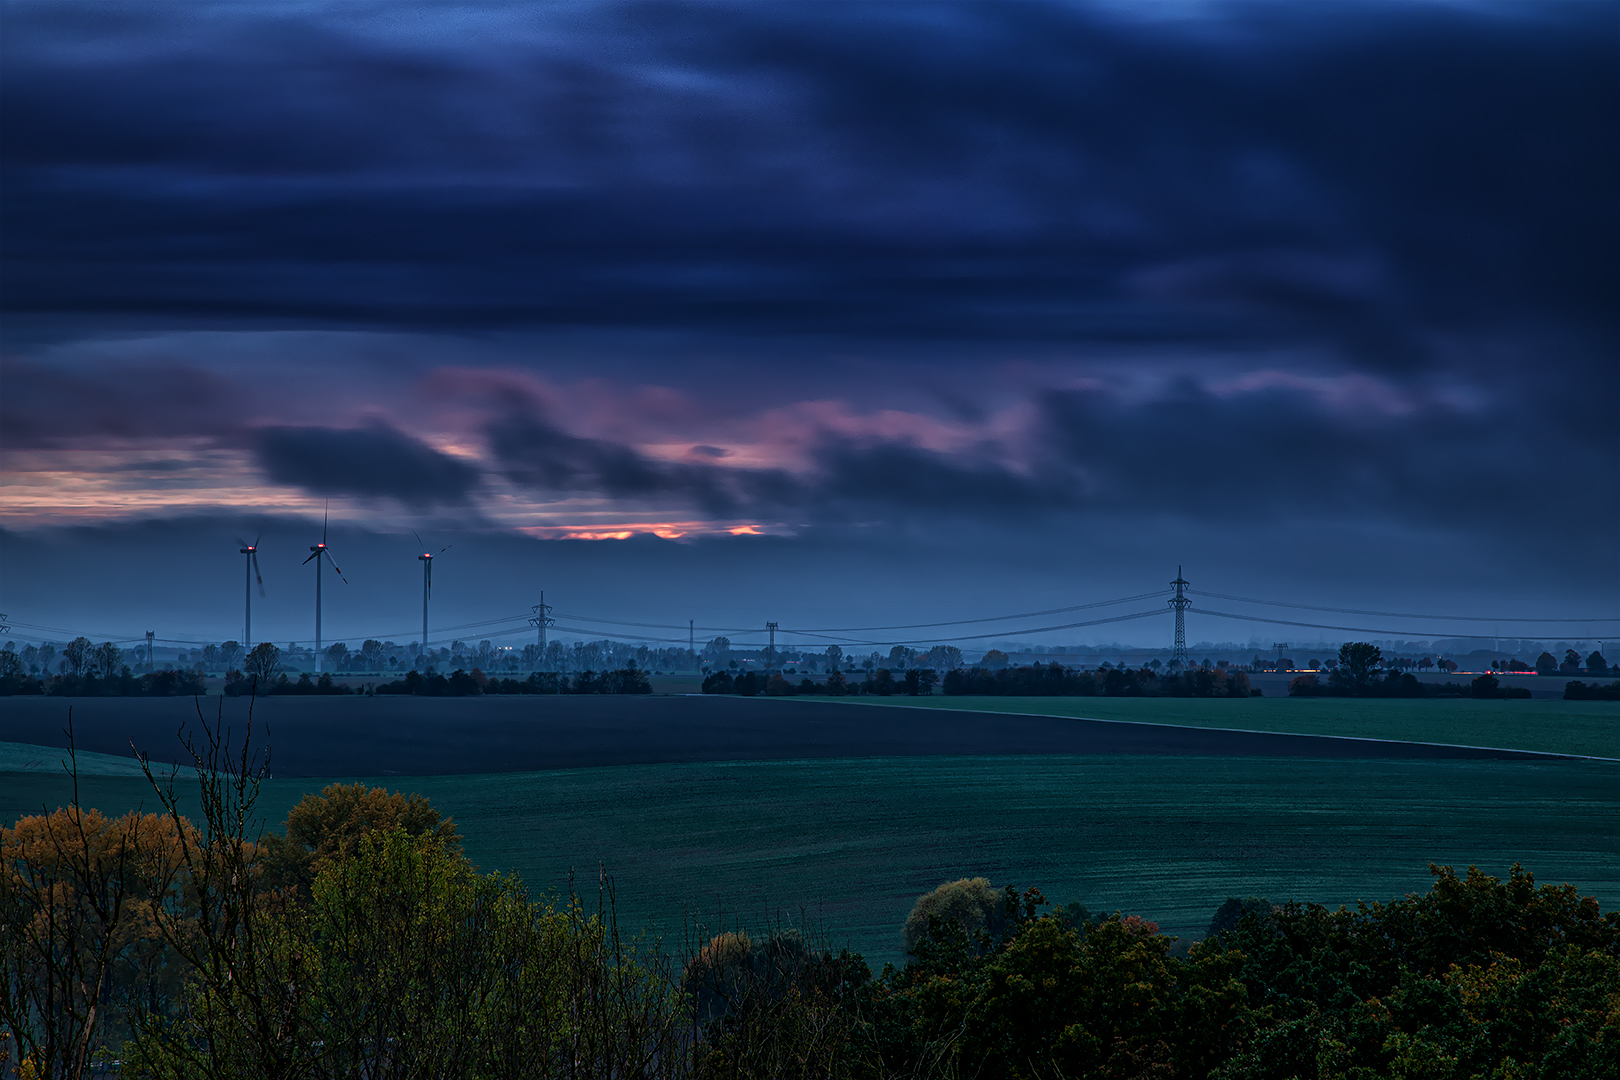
[151, 664]
[691, 639]
[1180, 603]
[771, 662]
[540, 621]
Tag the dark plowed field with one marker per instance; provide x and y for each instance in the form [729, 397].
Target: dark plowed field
[394, 736]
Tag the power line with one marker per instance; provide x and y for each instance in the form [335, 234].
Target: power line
[1399, 614]
[659, 626]
[865, 629]
[993, 618]
[1352, 629]
[994, 633]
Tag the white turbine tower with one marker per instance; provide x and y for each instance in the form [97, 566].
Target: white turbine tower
[426, 559]
[316, 551]
[252, 553]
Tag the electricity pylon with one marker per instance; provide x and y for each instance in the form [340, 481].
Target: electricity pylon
[1180, 603]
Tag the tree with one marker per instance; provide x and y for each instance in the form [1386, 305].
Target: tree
[262, 663]
[1546, 664]
[1595, 664]
[11, 665]
[72, 916]
[1358, 664]
[995, 660]
[106, 659]
[1572, 662]
[970, 903]
[327, 827]
[1447, 666]
[78, 654]
[921, 681]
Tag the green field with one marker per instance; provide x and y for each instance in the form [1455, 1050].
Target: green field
[853, 842]
[1590, 728]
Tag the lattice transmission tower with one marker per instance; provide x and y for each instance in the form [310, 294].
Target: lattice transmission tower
[1180, 603]
[541, 620]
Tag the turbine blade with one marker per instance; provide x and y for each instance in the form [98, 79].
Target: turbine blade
[241, 541]
[444, 549]
[256, 540]
[256, 573]
[418, 538]
[325, 515]
[333, 561]
[429, 576]
[313, 555]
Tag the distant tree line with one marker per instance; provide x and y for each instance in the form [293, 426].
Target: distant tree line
[1039, 680]
[1575, 690]
[629, 680]
[359, 941]
[1360, 672]
[880, 682]
[87, 670]
[1055, 680]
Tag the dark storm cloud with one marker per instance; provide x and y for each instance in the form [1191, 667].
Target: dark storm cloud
[1257, 456]
[538, 455]
[846, 478]
[1359, 177]
[41, 406]
[375, 461]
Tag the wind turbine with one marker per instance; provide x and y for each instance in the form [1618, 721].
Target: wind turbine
[426, 560]
[252, 567]
[316, 551]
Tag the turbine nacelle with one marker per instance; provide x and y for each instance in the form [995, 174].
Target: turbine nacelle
[426, 559]
[252, 553]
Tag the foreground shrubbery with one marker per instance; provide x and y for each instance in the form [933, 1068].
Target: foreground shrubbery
[362, 944]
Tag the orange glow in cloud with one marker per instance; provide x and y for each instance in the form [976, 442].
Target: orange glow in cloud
[665, 530]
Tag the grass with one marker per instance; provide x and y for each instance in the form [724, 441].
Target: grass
[1589, 728]
[854, 842]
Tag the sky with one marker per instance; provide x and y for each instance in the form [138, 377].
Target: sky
[837, 315]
